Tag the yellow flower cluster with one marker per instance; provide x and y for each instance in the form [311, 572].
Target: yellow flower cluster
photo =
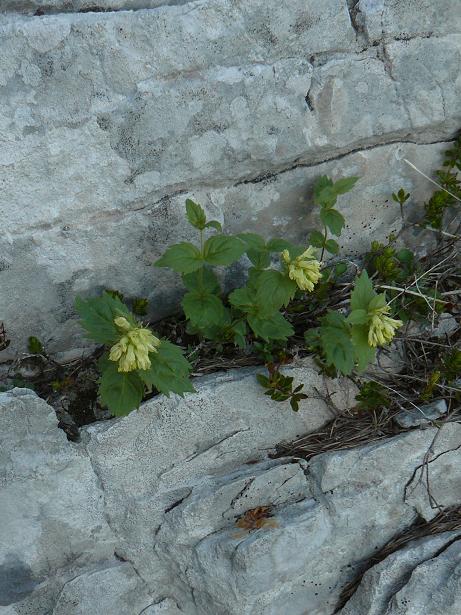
[132, 350]
[382, 328]
[304, 269]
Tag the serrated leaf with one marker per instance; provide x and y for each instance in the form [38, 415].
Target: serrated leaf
[336, 343]
[203, 308]
[243, 299]
[97, 317]
[239, 330]
[364, 354]
[223, 250]
[169, 370]
[345, 184]
[259, 258]
[121, 392]
[338, 348]
[377, 302]
[195, 214]
[332, 246]
[334, 319]
[295, 250]
[182, 257]
[358, 317]
[333, 220]
[256, 249]
[363, 292]
[275, 327]
[316, 239]
[274, 289]
[203, 279]
[214, 224]
[252, 241]
[320, 185]
[278, 245]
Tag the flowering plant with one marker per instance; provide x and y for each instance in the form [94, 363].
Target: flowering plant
[136, 361]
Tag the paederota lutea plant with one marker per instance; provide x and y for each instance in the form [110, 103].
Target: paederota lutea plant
[136, 361]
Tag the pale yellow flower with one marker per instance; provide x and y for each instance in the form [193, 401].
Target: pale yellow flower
[132, 350]
[382, 328]
[304, 269]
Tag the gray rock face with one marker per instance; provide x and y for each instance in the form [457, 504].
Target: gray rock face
[111, 119]
[420, 579]
[158, 512]
[422, 415]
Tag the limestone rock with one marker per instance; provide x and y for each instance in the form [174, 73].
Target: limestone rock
[386, 19]
[178, 508]
[104, 591]
[421, 578]
[111, 119]
[423, 415]
[52, 506]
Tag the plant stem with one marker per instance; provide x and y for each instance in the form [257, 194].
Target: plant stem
[325, 235]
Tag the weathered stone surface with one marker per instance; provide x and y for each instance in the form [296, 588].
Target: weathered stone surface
[173, 443]
[384, 19]
[420, 579]
[140, 517]
[52, 508]
[436, 481]
[110, 117]
[116, 588]
[422, 415]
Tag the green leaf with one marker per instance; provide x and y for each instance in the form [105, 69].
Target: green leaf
[253, 241]
[316, 239]
[259, 258]
[34, 345]
[405, 256]
[364, 354]
[195, 214]
[169, 370]
[256, 249]
[98, 314]
[121, 392]
[214, 224]
[332, 246]
[295, 251]
[263, 380]
[358, 317]
[363, 292]
[202, 280]
[377, 302]
[340, 268]
[274, 289]
[333, 220]
[275, 327]
[183, 257]
[223, 250]
[278, 245]
[239, 329]
[345, 184]
[323, 192]
[243, 299]
[338, 348]
[203, 308]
